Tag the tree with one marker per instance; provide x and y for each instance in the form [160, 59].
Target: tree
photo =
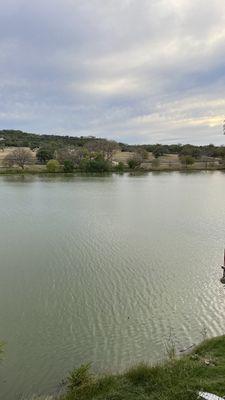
[104, 147]
[20, 157]
[119, 167]
[75, 155]
[159, 150]
[68, 166]
[134, 162]
[45, 154]
[98, 165]
[187, 160]
[2, 144]
[52, 166]
[144, 154]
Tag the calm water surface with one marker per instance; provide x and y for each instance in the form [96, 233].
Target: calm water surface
[102, 269]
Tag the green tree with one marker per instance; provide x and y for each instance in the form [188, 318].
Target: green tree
[187, 160]
[120, 167]
[134, 162]
[44, 154]
[97, 165]
[159, 150]
[68, 166]
[52, 166]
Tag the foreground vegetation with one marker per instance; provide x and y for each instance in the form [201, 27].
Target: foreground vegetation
[176, 379]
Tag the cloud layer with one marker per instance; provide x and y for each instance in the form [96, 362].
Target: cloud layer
[139, 71]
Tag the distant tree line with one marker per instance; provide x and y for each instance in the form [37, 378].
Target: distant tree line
[18, 138]
[90, 154]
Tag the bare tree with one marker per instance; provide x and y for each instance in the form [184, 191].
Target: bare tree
[105, 147]
[75, 155]
[20, 157]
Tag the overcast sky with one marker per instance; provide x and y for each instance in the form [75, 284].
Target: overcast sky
[138, 71]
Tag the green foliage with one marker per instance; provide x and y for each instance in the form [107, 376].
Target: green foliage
[159, 150]
[120, 167]
[45, 154]
[134, 162]
[176, 379]
[96, 165]
[22, 139]
[79, 377]
[52, 166]
[139, 374]
[68, 166]
[187, 160]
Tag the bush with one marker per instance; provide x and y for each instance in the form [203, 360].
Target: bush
[120, 167]
[68, 166]
[45, 154]
[79, 377]
[97, 165]
[134, 163]
[187, 160]
[52, 166]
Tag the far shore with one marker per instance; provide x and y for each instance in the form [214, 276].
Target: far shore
[42, 170]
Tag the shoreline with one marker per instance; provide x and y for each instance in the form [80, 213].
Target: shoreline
[179, 377]
[113, 171]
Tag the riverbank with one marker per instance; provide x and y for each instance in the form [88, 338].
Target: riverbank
[177, 379]
[41, 169]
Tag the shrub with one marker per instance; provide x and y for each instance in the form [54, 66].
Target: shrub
[134, 163]
[97, 165]
[187, 160]
[79, 377]
[120, 167]
[68, 166]
[45, 154]
[52, 166]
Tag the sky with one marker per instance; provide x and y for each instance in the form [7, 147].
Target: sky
[137, 71]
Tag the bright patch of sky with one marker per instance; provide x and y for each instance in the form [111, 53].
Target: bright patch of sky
[138, 71]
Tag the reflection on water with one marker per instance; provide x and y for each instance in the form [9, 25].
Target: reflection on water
[102, 268]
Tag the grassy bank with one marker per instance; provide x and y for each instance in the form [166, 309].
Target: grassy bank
[37, 170]
[176, 379]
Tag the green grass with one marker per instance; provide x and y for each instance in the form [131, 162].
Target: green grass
[178, 379]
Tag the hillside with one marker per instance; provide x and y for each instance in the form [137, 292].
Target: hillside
[23, 139]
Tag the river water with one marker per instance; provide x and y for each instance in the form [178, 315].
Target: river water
[105, 270]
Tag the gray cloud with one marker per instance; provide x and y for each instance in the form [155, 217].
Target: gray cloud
[134, 70]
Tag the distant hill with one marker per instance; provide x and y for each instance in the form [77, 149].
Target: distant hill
[16, 138]
[23, 139]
